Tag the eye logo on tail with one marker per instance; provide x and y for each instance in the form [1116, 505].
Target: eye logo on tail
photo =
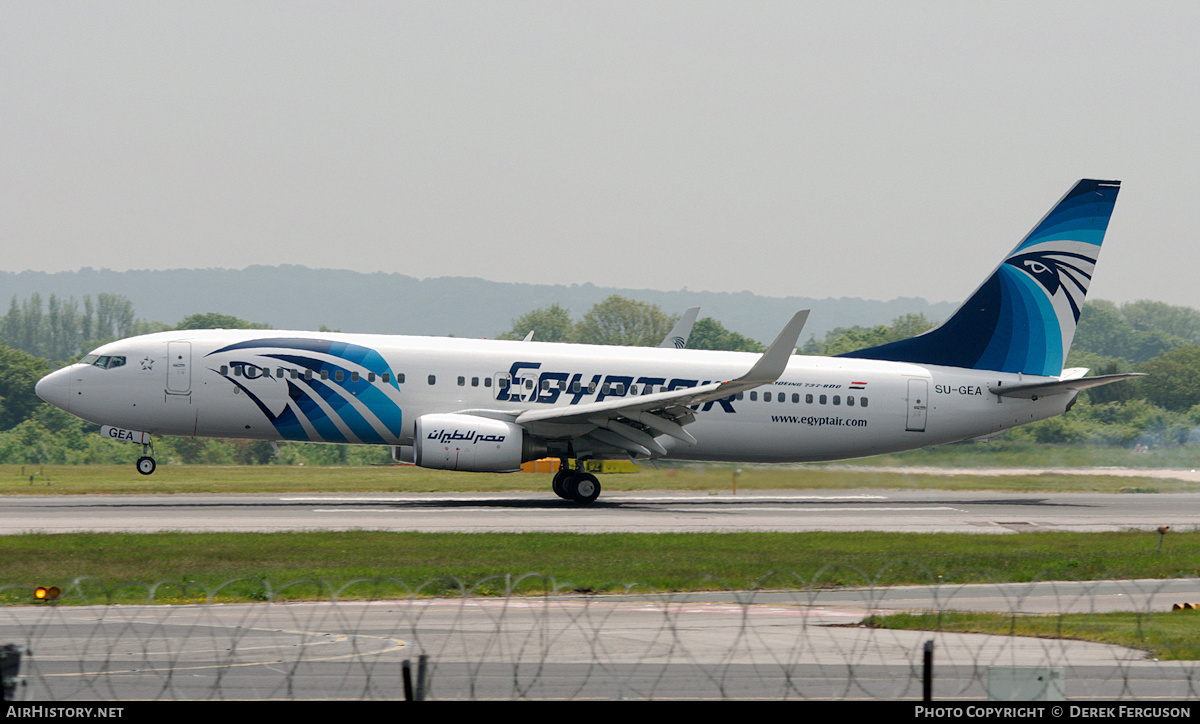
[1023, 317]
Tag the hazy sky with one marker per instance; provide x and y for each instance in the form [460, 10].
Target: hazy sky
[786, 148]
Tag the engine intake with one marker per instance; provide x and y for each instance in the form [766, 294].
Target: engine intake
[473, 444]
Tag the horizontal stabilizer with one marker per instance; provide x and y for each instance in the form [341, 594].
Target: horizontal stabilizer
[1058, 387]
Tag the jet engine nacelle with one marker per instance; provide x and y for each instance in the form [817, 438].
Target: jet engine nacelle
[473, 444]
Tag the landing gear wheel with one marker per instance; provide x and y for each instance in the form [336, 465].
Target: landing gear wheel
[583, 488]
[560, 483]
[145, 465]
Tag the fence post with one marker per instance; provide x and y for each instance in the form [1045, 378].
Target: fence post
[10, 669]
[928, 689]
[422, 672]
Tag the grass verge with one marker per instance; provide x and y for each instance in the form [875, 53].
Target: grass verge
[591, 562]
[179, 479]
[1168, 636]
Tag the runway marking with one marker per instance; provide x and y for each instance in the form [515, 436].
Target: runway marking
[457, 511]
[613, 498]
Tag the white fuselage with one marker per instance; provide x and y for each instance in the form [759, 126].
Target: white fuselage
[202, 384]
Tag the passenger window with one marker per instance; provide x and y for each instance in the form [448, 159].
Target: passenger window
[462, 381]
[795, 397]
[338, 376]
[576, 387]
[850, 400]
[754, 397]
[324, 374]
[433, 379]
[837, 399]
[821, 399]
[354, 377]
[370, 377]
[474, 381]
[862, 401]
[808, 399]
[487, 381]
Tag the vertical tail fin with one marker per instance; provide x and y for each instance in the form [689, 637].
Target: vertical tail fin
[1023, 318]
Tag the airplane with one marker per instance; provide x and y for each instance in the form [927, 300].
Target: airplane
[491, 405]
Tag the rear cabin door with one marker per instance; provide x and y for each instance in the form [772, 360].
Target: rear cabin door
[918, 405]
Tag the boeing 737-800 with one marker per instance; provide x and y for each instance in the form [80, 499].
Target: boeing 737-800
[490, 405]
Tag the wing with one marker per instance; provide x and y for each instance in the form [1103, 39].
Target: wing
[631, 423]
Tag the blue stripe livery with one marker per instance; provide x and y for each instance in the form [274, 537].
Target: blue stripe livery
[1023, 318]
[322, 404]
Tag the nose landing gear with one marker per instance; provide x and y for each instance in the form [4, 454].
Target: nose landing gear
[146, 464]
[575, 485]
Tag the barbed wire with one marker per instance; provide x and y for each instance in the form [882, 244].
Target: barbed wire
[532, 637]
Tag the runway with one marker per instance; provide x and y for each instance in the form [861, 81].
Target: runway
[935, 511]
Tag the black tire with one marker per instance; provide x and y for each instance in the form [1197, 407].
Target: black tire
[560, 483]
[583, 488]
[146, 465]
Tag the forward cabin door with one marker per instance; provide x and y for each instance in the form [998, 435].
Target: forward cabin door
[179, 368]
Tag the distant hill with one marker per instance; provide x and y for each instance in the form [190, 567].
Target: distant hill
[296, 297]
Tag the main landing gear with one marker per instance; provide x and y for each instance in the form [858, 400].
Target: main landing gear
[576, 485]
[146, 464]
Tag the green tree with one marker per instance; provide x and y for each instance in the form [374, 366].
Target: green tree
[548, 324]
[708, 333]
[19, 372]
[1135, 331]
[845, 340]
[1173, 381]
[214, 320]
[620, 321]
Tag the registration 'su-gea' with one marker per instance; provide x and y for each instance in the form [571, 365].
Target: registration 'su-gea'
[490, 405]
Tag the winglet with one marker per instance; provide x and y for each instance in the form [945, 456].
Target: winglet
[678, 336]
[774, 361]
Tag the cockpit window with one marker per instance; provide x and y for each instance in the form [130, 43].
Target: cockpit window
[104, 362]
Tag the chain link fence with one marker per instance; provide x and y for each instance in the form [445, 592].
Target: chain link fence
[526, 637]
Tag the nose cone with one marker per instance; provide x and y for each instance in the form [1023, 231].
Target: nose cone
[55, 388]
